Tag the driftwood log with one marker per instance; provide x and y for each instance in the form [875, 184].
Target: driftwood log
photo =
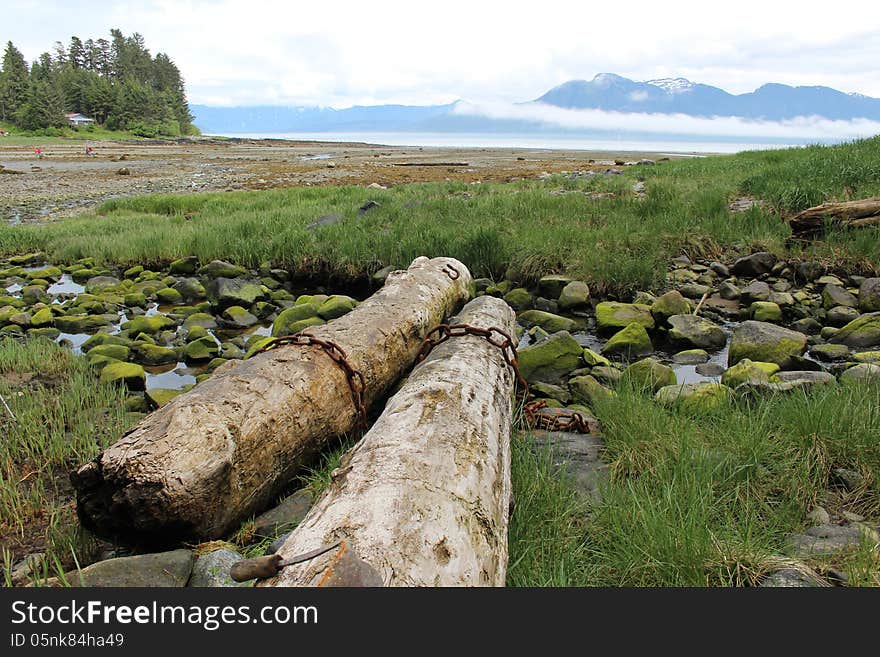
[423, 498]
[199, 466]
[850, 214]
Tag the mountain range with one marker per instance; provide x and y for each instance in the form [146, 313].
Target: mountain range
[607, 92]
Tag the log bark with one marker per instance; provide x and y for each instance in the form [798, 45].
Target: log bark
[853, 214]
[212, 457]
[423, 498]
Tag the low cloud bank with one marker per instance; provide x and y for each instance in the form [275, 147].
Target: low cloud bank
[801, 127]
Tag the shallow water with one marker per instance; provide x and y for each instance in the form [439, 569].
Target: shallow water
[66, 285]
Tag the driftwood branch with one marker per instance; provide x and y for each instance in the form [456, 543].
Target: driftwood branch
[850, 214]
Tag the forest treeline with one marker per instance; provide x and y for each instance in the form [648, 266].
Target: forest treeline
[117, 82]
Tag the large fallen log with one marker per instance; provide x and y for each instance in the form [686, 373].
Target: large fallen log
[199, 466]
[851, 214]
[423, 498]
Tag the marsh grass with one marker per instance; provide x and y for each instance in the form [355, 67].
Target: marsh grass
[525, 229]
[63, 418]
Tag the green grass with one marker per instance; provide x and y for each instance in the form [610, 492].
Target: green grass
[63, 417]
[701, 500]
[19, 137]
[524, 229]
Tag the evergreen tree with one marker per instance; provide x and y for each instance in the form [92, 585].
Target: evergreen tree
[13, 82]
[76, 54]
[44, 107]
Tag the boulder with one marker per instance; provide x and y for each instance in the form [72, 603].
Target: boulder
[862, 372]
[286, 319]
[695, 331]
[519, 299]
[213, 570]
[189, 288]
[159, 569]
[83, 323]
[551, 286]
[691, 357]
[756, 264]
[765, 311]
[151, 354]
[149, 325]
[630, 342]
[547, 321]
[755, 291]
[133, 376]
[336, 306]
[836, 295]
[767, 343]
[670, 304]
[168, 295]
[204, 320]
[202, 349]
[863, 331]
[869, 295]
[830, 352]
[98, 284]
[574, 296]
[613, 316]
[587, 390]
[158, 397]
[221, 269]
[224, 292]
[592, 359]
[649, 373]
[840, 316]
[551, 359]
[238, 317]
[285, 516]
[695, 397]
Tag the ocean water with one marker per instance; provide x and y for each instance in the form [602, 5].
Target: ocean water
[530, 141]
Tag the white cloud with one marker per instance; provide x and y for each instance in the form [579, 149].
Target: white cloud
[802, 127]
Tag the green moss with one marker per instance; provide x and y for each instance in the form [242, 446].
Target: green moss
[632, 341]
[547, 321]
[133, 376]
[149, 325]
[649, 373]
[612, 315]
[283, 324]
[746, 371]
[551, 359]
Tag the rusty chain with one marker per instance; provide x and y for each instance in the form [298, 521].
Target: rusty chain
[337, 355]
[559, 419]
[451, 271]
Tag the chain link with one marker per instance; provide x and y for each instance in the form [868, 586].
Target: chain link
[557, 419]
[337, 355]
[451, 271]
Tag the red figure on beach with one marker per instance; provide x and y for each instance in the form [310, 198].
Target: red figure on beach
[38, 152]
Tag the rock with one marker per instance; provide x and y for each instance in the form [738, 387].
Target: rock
[287, 318]
[159, 569]
[550, 391]
[336, 306]
[184, 266]
[579, 456]
[587, 390]
[863, 372]
[791, 578]
[819, 516]
[151, 354]
[835, 295]
[729, 291]
[682, 277]
[808, 271]
[849, 480]
[609, 376]
[649, 373]
[712, 370]
[690, 357]
[202, 349]
[755, 291]
[149, 325]
[28, 569]
[203, 320]
[366, 207]
[867, 357]
[695, 290]
[224, 292]
[123, 171]
[325, 220]
[238, 317]
[158, 397]
[697, 397]
[133, 376]
[612, 316]
[574, 296]
[222, 269]
[212, 570]
[670, 304]
[378, 278]
[802, 379]
[285, 516]
[807, 325]
[630, 342]
[83, 323]
[135, 300]
[756, 264]
[550, 360]
[767, 343]
[169, 295]
[826, 540]
[695, 331]
[765, 311]
[189, 289]
[830, 352]
[547, 321]
[519, 299]
[110, 351]
[869, 295]
[552, 286]
[98, 284]
[861, 332]
[592, 359]
[841, 316]
[720, 269]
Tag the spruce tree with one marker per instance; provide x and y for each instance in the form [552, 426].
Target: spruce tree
[13, 82]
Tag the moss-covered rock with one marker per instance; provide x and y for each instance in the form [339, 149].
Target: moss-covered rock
[587, 390]
[103, 338]
[238, 317]
[630, 342]
[695, 397]
[649, 373]
[613, 316]
[189, 288]
[133, 376]
[867, 357]
[336, 306]
[592, 359]
[551, 286]
[46, 273]
[519, 299]
[575, 296]
[202, 349]
[83, 323]
[767, 343]
[151, 354]
[748, 371]
[196, 332]
[158, 397]
[861, 332]
[869, 295]
[149, 325]
[669, 304]
[861, 373]
[287, 318]
[222, 269]
[550, 360]
[112, 351]
[302, 324]
[765, 311]
[133, 272]
[169, 295]
[98, 284]
[46, 332]
[224, 292]
[830, 352]
[43, 317]
[184, 266]
[205, 320]
[694, 331]
[547, 321]
[135, 300]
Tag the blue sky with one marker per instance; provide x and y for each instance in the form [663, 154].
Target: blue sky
[341, 53]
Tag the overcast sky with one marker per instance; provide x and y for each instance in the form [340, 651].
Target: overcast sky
[341, 53]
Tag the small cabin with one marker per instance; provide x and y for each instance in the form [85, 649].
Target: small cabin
[77, 119]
